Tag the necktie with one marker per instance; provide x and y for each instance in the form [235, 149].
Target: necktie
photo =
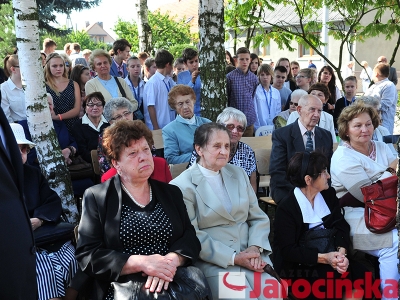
[309, 143]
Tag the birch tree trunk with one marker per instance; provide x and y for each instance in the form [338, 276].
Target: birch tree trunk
[38, 114]
[144, 29]
[212, 58]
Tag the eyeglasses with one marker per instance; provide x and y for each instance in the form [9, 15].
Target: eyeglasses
[119, 117]
[99, 104]
[301, 76]
[230, 127]
[24, 149]
[293, 103]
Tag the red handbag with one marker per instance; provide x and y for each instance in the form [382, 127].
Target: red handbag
[380, 199]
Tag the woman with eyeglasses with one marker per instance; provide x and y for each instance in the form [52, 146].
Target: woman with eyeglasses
[115, 110]
[178, 134]
[241, 154]
[87, 130]
[65, 92]
[12, 93]
[311, 207]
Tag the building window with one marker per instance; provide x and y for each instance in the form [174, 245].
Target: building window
[265, 50]
[305, 50]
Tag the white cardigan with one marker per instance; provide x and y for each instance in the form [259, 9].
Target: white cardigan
[350, 170]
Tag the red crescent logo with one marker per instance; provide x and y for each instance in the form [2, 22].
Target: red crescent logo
[231, 286]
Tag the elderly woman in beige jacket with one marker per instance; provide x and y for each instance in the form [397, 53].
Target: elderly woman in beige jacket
[223, 208]
[109, 86]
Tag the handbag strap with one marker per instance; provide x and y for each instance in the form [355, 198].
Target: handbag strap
[121, 89]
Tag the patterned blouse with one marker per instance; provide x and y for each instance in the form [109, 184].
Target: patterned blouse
[244, 158]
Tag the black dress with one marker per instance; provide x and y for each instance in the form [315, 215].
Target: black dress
[64, 102]
[143, 231]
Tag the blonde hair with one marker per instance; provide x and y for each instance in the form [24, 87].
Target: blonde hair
[47, 73]
[10, 61]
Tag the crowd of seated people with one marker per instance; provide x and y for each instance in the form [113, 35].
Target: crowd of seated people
[207, 220]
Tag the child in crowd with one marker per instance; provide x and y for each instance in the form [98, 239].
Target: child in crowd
[280, 74]
[179, 67]
[350, 90]
[241, 88]
[267, 100]
[81, 74]
[191, 77]
[136, 84]
[157, 112]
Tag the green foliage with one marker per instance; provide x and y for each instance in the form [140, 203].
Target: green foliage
[128, 30]
[177, 50]
[80, 37]
[166, 32]
[7, 32]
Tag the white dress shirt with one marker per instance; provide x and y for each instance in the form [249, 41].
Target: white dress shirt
[13, 101]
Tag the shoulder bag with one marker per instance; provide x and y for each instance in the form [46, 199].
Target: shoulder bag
[380, 199]
[189, 284]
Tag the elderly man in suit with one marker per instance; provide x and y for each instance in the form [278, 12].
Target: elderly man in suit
[17, 249]
[393, 73]
[302, 135]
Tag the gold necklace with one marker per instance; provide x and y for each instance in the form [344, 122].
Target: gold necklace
[133, 199]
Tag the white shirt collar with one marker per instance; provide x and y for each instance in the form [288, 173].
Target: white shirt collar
[303, 129]
[311, 215]
[86, 120]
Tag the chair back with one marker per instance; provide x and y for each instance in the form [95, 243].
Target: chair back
[95, 162]
[158, 140]
[264, 130]
[258, 142]
[263, 159]
[177, 169]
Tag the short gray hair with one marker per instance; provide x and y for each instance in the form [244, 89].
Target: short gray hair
[373, 101]
[297, 94]
[303, 101]
[233, 113]
[115, 104]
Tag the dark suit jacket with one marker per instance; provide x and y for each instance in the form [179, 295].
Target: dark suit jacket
[393, 75]
[286, 141]
[41, 201]
[114, 70]
[17, 251]
[99, 249]
[289, 228]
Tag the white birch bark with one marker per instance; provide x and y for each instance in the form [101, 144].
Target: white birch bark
[212, 58]
[144, 29]
[38, 114]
